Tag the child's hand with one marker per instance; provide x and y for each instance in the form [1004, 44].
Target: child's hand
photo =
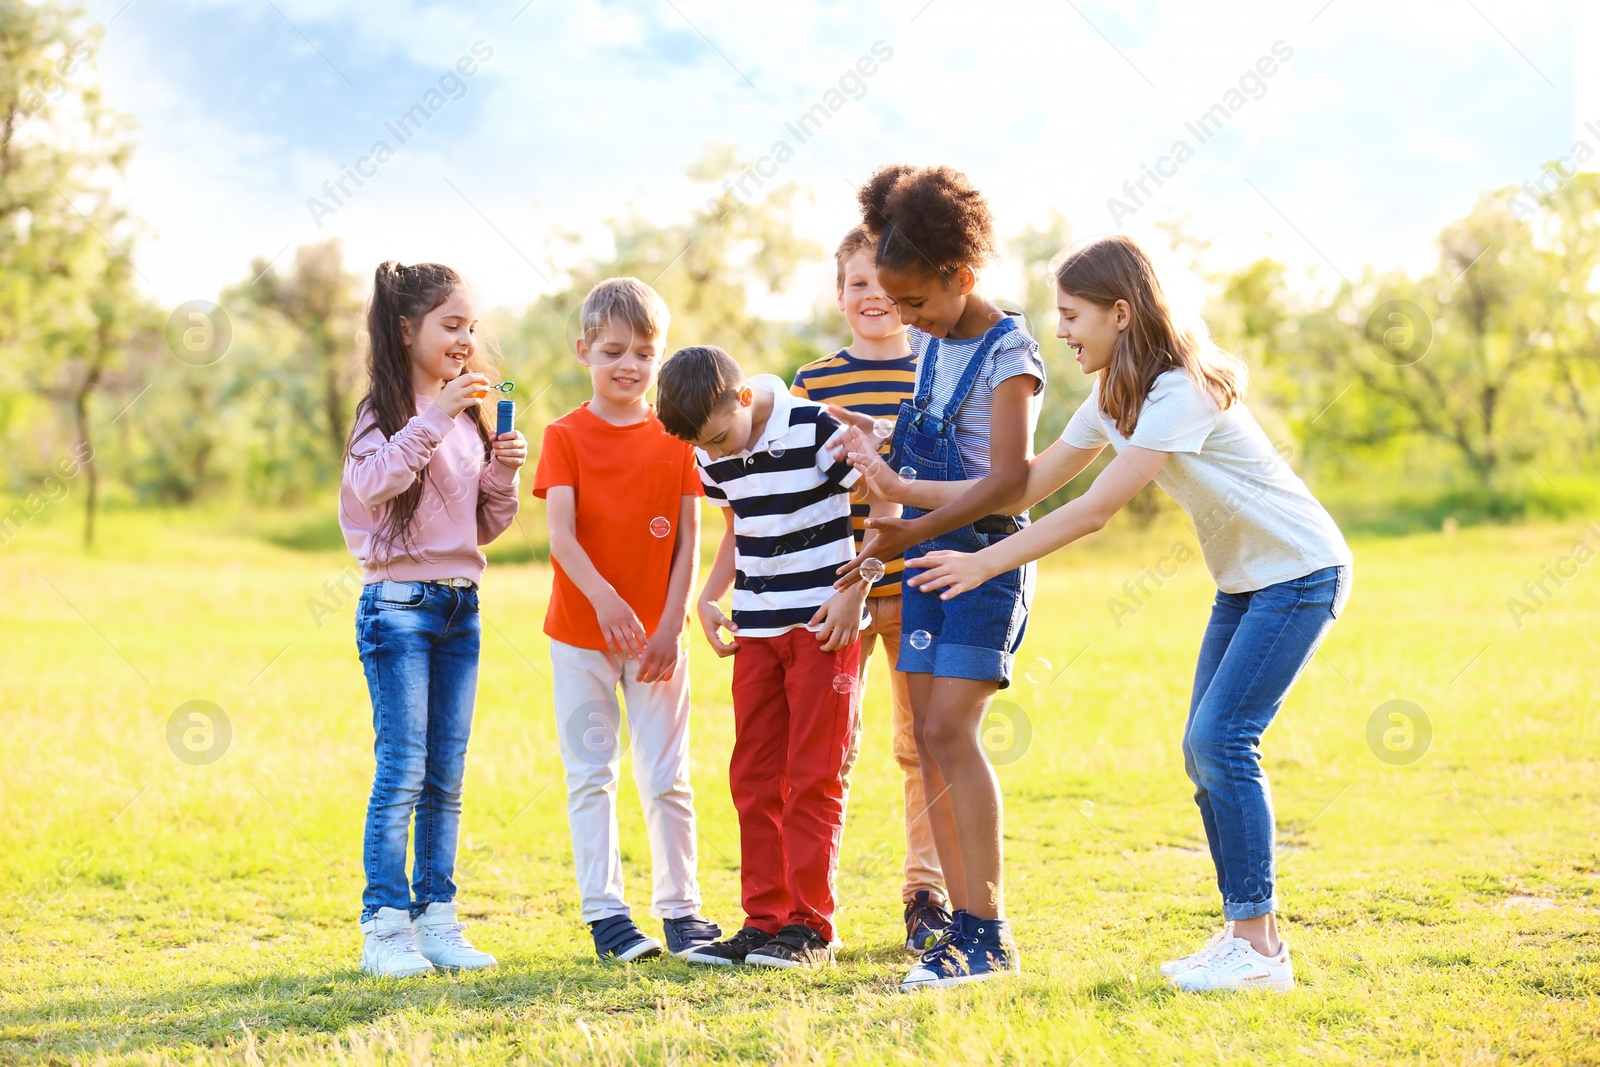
[953, 572]
[839, 619]
[887, 537]
[511, 449]
[712, 621]
[620, 627]
[660, 659]
[881, 481]
[456, 396]
[853, 422]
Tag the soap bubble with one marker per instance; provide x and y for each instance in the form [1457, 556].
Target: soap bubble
[1039, 671]
[921, 639]
[883, 429]
[844, 683]
[777, 451]
[909, 473]
[1086, 809]
[660, 526]
[871, 570]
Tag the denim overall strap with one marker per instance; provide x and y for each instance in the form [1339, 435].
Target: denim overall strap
[991, 337]
[926, 439]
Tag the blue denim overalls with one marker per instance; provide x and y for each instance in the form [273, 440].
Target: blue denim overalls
[975, 634]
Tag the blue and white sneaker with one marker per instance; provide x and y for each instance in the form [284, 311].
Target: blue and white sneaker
[974, 950]
[617, 938]
[926, 921]
[689, 933]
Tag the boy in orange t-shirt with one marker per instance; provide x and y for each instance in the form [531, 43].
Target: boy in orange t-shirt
[621, 502]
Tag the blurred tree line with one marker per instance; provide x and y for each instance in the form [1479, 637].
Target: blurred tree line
[1473, 386]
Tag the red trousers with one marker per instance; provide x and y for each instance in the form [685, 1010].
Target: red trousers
[793, 713]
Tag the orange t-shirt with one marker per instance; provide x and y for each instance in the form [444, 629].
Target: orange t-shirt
[628, 483]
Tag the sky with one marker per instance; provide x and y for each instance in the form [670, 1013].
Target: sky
[1343, 133]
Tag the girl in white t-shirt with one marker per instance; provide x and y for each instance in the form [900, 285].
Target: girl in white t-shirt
[1171, 406]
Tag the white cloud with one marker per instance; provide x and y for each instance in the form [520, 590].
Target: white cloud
[1384, 125]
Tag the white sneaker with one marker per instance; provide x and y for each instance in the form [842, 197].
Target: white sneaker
[1235, 965]
[1194, 959]
[439, 938]
[388, 949]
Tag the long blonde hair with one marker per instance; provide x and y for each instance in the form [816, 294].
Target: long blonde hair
[1115, 268]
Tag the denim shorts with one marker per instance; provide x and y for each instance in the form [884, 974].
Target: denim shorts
[974, 635]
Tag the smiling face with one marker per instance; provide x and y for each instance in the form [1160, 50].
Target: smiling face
[442, 343]
[622, 361]
[1091, 329]
[867, 308]
[932, 304]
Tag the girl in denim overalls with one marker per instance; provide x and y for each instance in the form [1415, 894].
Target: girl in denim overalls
[978, 381]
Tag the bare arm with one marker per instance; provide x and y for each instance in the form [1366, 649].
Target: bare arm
[1007, 480]
[956, 572]
[718, 579]
[1047, 472]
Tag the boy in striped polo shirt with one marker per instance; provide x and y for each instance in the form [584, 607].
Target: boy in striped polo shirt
[871, 376]
[763, 458]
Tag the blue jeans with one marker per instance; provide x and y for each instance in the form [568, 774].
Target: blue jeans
[1255, 647]
[419, 649]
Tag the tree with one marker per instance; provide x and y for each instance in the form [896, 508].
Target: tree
[706, 269]
[67, 303]
[318, 299]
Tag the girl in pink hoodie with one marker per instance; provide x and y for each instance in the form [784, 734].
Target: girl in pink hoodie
[426, 482]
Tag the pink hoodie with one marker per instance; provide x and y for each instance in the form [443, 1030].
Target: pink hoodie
[466, 501]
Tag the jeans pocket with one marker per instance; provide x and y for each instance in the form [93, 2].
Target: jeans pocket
[399, 595]
[1341, 591]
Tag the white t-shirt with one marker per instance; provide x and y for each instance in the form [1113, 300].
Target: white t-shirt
[1257, 522]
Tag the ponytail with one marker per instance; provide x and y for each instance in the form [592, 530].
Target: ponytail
[399, 291]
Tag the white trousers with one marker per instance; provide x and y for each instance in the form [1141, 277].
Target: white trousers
[589, 724]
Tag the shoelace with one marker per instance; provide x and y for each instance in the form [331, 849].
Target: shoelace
[399, 940]
[936, 954]
[924, 910]
[450, 935]
[1227, 955]
[1209, 949]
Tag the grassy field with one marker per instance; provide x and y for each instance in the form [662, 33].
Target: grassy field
[1445, 910]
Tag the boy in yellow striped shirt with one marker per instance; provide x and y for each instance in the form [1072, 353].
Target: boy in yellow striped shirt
[872, 375]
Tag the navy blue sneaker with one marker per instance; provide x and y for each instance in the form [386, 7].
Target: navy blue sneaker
[617, 938]
[689, 933]
[976, 950]
[926, 921]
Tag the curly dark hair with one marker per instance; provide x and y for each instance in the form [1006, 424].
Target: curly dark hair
[927, 220]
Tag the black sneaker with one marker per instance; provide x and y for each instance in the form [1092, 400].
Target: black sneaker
[794, 946]
[732, 952]
[926, 920]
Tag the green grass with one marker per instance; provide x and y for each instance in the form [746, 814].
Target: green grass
[155, 911]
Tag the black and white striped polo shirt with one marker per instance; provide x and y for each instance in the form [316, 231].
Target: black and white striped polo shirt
[791, 514]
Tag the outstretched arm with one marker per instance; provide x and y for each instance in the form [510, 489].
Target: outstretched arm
[1047, 472]
[955, 572]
